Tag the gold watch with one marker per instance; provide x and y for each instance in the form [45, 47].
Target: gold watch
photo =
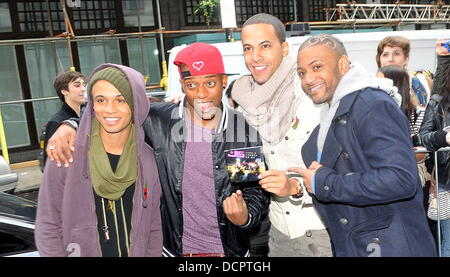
[299, 193]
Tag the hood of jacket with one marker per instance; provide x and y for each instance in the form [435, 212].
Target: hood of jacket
[140, 112]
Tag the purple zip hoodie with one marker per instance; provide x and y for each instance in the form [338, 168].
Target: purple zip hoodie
[66, 223]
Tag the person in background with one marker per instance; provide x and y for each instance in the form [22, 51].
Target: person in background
[437, 117]
[107, 204]
[71, 90]
[394, 50]
[400, 79]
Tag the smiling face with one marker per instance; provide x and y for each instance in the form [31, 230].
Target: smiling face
[204, 97]
[320, 71]
[263, 51]
[111, 109]
[393, 56]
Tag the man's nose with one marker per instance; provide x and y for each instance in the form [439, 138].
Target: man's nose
[308, 79]
[111, 107]
[202, 92]
[256, 55]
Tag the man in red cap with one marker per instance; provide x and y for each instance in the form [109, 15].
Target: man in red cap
[202, 213]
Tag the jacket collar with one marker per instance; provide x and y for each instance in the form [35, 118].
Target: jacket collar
[65, 107]
[346, 104]
[223, 120]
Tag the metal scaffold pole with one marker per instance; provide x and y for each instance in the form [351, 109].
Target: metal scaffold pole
[69, 33]
[165, 77]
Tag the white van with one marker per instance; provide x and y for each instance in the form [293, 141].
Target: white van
[361, 47]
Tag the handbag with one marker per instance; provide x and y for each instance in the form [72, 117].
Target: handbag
[444, 206]
[444, 203]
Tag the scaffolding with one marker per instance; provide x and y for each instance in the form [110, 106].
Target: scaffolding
[388, 13]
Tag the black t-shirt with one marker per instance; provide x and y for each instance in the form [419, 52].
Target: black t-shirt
[118, 222]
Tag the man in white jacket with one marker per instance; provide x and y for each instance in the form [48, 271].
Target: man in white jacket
[273, 102]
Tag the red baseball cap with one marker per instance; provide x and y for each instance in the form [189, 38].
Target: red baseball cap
[201, 59]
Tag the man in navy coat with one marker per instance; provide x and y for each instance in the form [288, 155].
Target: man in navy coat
[361, 168]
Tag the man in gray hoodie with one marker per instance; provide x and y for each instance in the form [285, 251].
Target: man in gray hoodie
[361, 170]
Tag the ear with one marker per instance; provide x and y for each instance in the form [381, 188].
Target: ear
[343, 65]
[65, 92]
[285, 48]
[182, 85]
[224, 81]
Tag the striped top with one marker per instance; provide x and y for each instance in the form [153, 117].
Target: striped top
[415, 120]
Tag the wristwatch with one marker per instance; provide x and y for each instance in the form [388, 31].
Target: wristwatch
[299, 193]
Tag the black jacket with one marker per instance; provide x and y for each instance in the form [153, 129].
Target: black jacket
[66, 112]
[164, 132]
[437, 116]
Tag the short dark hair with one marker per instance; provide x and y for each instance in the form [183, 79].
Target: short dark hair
[264, 18]
[62, 81]
[333, 43]
[393, 41]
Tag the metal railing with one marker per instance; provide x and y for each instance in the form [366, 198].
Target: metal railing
[436, 176]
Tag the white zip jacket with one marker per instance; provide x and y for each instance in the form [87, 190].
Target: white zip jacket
[293, 217]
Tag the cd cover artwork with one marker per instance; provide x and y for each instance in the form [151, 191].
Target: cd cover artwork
[245, 164]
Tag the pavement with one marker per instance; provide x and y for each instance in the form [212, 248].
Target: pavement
[30, 176]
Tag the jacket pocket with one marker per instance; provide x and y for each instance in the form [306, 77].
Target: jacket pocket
[84, 242]
[366, 238]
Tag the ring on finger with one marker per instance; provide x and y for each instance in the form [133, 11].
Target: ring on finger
[52, 147]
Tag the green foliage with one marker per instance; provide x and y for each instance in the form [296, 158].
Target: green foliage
[206, 8]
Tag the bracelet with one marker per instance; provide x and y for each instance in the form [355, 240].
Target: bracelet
[299, 193]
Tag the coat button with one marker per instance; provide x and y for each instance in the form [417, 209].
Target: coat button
[342, 120]
[343, 221]
[376, 240]
[345, 155]
[326, 188]
[287, 212]
[286, 137]
[308, 233]
[272, 152]
[217, 167]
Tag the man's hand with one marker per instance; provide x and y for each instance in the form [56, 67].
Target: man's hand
[307, 174]
[278, 183]
[441, 50]
[235, 208]
[61, 145]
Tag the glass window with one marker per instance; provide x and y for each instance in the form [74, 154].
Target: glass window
[282, 9]
[89, 15]
[138, 10]
[44, 62]
[34, 16]
[95, 53]
[5, 18]
[14, 119]
[144, 57]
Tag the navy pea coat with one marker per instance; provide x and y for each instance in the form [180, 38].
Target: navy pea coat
[368, 191]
